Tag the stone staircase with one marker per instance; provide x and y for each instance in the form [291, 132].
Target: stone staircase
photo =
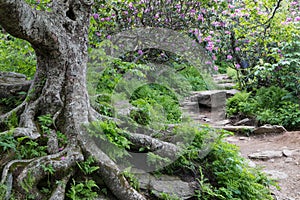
[208, 107]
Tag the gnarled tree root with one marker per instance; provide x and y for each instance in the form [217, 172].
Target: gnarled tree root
[111, 174]
[34, 170]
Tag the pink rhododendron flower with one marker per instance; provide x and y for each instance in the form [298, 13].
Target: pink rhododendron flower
[294, 3]
[229, 57]
[96, 16]
[140, 52]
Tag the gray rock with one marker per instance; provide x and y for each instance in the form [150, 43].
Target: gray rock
[237, 129]
[291, 153]
[12, 83]
[265, 155]
[276, 174]
[226, 85]
[288, 160]
[171, 185]
[287, 152]
[210, 98]
[265, 129]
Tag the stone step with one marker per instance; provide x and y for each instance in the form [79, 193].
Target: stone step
[226, 85]
[237, 129]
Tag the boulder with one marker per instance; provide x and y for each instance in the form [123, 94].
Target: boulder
[12, 83]
[210, 98]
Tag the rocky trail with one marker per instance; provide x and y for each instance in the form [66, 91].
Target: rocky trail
[271, 148]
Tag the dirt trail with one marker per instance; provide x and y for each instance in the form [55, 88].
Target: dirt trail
[285, 167]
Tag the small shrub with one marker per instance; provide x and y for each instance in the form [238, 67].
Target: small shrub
[271, 105]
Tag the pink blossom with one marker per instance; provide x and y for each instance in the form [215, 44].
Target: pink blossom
[193, 11]
[216, 68]
[227, 32]
[200, 17]
[96, 16]
[229, 57]
[294, 3]
[208, 63]
[63, 158]
[140, 52]
[289, 19]
[237, 49]
[297, 19]
[208, 38]
[230, 6]
[108, 37]
[237, 66]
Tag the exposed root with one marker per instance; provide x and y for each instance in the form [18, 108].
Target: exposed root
[52, 144]
[18, 110]
[110, 172]
[60, 190]
[160, 148]
[5, 171]
[94, 116]
[35, 170]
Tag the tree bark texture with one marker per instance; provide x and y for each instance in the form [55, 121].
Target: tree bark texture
[60, 40]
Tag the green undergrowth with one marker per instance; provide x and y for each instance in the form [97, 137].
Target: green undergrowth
[222, 173]
[272, 105]
[216, 166]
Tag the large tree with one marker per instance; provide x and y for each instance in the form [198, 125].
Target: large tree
[59, 37]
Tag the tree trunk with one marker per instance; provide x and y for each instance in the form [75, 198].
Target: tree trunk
[60, 39]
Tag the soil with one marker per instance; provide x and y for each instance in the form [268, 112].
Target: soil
[289, 165]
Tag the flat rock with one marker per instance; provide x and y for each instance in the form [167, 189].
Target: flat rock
[291, 153]
[276, 174]
[265, 155]
[237, 129]
[265, 129]
[226, 85]
[171, 185]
